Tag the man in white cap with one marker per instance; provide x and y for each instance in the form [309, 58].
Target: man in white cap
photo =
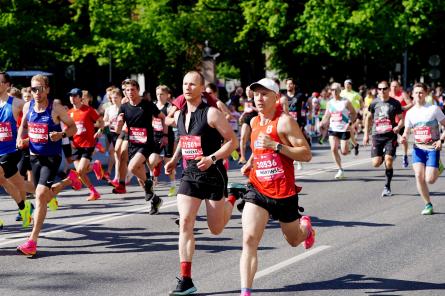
[277, 141]
[357, 102]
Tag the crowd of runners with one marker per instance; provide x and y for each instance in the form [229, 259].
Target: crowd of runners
[43, 141]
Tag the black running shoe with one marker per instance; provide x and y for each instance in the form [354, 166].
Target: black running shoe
[184, 287]
[148, 187]
[156, 203]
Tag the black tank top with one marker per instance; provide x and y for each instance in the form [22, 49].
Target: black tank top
[211, 139]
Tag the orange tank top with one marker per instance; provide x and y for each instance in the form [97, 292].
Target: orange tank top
[273, 173]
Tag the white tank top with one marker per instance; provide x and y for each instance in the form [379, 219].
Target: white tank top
[339, 119]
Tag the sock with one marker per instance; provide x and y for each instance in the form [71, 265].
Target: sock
[186, 269]
[231, 199]
[246, 291]
[389, 173]
[21, 205]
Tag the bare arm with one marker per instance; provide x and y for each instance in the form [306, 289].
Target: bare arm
[170, 118]
[24, 125]
[62, 115]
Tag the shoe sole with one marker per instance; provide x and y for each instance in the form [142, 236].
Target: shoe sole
[186, 292]
[25, 253]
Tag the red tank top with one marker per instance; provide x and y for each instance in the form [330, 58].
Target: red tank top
[273, 173]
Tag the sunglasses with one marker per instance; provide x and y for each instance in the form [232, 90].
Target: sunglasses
[382, 88]
[36, 89]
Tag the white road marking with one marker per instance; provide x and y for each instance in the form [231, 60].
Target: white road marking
[290, 261]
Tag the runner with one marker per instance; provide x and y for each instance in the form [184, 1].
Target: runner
[276, 141]
[383, 112]
[424, 119]
[162, 94]
[202, 130]
[339, 115]
[250, 112]
[357, 102]
[10, 156]
[42, 118]
[110, 120]
[137, 115]
[84, 141]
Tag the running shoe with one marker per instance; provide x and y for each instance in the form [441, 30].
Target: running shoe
[172, 191]
[114, 183]
[148, 187]
[28, 248]
[310, 240]
[441, 167]
[19, 216]
[235, 155]
[53, 204]
[340, 174]
[386, 191]
[156, 203]
[119, 189]
[1, 224]
[405, 162]
[100, 148]
[320, 141]
[26, 214]
[93, 196]
[30, 195]
[76, 184]
[185, 286]
[428, 210]
[356, 149]
[97, 169]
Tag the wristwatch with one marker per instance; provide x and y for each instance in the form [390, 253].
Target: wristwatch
[278, 148]
[213, 158]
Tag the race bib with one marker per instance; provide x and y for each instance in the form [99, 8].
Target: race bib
[38, 132]
[137, 135]
[383, 125]
[422, 135]
[336, 122]
[303, 113]
[248, 107]
[80, 128]
[268, 167]
[156, 123]
[5, 132]
[191, 147]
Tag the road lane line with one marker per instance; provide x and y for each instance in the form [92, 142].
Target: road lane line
[99, 219]
[126, 213]
[290, 261]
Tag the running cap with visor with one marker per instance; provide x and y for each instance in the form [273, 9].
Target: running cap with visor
[266, 83]
[75, 92]
[348, 81]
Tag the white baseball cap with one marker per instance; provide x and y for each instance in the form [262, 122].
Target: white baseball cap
[266, 83]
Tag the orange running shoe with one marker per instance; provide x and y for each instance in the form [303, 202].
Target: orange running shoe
[97, 169]
[310, 240]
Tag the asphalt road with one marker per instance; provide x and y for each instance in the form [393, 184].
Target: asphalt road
[365, 244]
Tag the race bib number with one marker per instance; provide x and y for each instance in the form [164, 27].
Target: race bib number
[137, 135]
[80, 128]
[191, 147]
[422, 135]
[268, 167]
[5, 132]
[383, 125]
[156, 123]
[303, 113]
[294, 114]
[38, 132]
[336, 122]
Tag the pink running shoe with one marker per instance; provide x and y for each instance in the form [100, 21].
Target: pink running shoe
[114, 183]
[97, 169]
[75, 181]
[93, 196]
[28, 248]
[310, 240]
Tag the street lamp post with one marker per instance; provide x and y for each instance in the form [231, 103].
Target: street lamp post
[208, 63]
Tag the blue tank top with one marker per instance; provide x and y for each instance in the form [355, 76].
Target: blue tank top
[8, 128]
[40, 125]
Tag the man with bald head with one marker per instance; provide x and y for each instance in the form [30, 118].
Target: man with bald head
[206, 138]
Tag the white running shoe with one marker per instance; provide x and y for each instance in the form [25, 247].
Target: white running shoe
[340, 175]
